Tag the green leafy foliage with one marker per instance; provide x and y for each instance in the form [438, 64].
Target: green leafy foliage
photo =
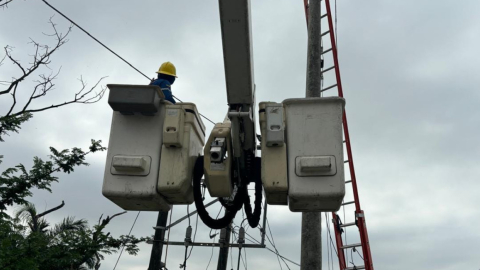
[12, 123]
[28, 241]
[70, 244]
[16, 183]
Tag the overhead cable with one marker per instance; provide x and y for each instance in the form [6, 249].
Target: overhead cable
[110, 50]
[328, 244]
[211, 255]
[85, 31]
[214, 235]
[133, 225]
[273, 241]
[276, 252]
[194, 236]
[239, 252]
[255, 241]
[168, 237]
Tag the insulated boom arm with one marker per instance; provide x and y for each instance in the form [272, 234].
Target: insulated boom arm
[229, 161]
[237, 50]
[235, 22]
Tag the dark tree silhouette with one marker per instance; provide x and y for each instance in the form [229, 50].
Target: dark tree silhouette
[27, 240]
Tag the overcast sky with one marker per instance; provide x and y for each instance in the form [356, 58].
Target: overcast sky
[411, 81]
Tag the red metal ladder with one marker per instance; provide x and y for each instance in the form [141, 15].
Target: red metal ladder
[359, 222]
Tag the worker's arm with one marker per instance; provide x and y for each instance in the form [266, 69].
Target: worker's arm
[168, 94]
[166, 89]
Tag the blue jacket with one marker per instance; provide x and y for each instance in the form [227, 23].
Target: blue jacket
[166, 88]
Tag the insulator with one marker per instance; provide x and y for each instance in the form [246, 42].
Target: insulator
[188, 234]
[241, 236]
[223, 234]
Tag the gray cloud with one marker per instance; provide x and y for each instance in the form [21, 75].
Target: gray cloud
[409, 72]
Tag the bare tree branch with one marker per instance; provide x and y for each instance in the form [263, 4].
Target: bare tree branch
[104, 223]
[108, 219]
[77, 99]
[1, 61]
[8, 51]
[99, 219]
[4, 4]
[45, 85]
[40, 58]
[51, 210]
[14, 95]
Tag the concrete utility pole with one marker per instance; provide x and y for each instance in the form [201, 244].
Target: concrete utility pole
[223, 255]
[314, 52]
[311, 254]
[157, 247]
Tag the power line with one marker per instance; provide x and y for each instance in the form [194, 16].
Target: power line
[212, 252]
[120, 255]
[85, 31]
[168, 237]
[276, 250]
[214, 235]
[184, 265]
[231, 248]
[110, 50]
[240, 253]
[330, 243]
[269, 249]
[354, 249]
[194, 236]
[273, 243]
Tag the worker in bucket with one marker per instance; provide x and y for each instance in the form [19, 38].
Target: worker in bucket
[166, 77]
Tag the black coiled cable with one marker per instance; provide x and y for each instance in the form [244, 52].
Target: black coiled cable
[254, 218]
[241, 197]
[216, 224]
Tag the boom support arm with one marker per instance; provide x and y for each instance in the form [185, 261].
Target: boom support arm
[238, 59]
[237, 50]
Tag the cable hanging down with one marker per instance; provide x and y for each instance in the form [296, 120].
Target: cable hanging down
[202, 212]
[110, 50]
[241, 197]
[255, 241]
[254, 217]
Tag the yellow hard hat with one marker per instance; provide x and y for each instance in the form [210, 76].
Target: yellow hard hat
[168, 68]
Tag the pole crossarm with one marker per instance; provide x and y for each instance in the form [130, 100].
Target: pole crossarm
[205, 244]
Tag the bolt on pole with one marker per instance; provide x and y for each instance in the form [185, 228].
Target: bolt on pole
[311, 247]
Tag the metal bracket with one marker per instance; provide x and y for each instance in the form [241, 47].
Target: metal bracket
[203, 244]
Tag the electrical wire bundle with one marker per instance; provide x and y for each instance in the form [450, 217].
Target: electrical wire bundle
[240, 198]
